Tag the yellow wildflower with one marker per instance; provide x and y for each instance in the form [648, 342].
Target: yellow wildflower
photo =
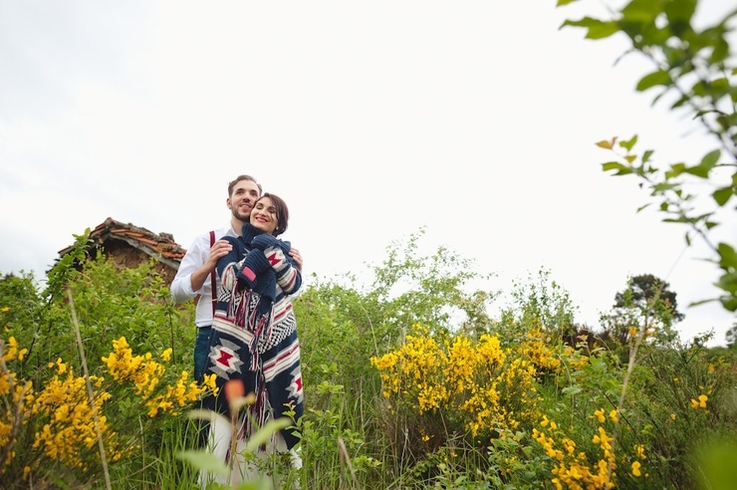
[636, 468]
[640, 449]
[600, 415]
[700, 403]
[614, 415]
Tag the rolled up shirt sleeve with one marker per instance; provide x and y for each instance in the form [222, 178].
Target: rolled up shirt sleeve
[181, 286]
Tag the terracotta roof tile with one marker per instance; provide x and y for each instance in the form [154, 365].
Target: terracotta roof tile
[162, 244]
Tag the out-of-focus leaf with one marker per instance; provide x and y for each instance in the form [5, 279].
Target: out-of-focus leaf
[621, 169]
[629, 144]
[711, 159]
[659, 77]
[597, 29]
[721, 196]
[204, 460]
[607, 144]
[263, 435]
[641, 11]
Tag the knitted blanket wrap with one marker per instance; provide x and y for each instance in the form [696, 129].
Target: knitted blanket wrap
[283, 321]
[270, 368]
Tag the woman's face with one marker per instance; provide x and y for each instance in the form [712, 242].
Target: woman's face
[263, 215]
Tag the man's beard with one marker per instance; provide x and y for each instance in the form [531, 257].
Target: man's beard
[240, 216]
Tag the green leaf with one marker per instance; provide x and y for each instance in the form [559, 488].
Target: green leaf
[602, 30]
[721, 196]
[259, 483]
[707, 164]
[720, 52]
[597, 29]
[659, 77]
[698, 171]
[675, 170]
[646, 156]
[571, 390]
[680, 10]
[680, 102]
[627, 145]
[710, 159]
[263, 435]
[621, 168]
[679, 13]
[641, 11]
[727, 255]
[663, 186]
[564, 2]
[204, 460]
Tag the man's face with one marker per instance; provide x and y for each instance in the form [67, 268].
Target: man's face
[245, 193]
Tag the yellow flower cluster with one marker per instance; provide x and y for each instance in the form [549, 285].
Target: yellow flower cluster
[10, 351]
[19, 399]
[572, 469]
[146, 376]
[575, 358]
[700, 403]
[473, 379]
[68, 425]
[64, 403]
[540, 353]
[67, 420]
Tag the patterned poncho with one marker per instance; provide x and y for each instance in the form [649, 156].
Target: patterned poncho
[254, 336]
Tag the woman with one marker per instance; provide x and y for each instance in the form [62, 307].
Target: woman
[254, 339]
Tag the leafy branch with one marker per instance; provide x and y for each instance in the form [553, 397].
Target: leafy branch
[697, 66]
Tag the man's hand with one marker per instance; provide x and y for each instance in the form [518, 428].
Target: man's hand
[294, 253]
[220, 248]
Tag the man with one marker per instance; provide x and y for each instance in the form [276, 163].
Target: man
[193, 279]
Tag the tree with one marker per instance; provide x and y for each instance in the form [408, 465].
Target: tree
[646, 301]
[644, 290]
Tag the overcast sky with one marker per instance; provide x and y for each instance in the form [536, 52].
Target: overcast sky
[474, 120]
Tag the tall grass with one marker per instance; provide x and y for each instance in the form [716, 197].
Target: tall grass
[389, 404]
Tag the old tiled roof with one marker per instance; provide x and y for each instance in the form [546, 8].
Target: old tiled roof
[161, 245]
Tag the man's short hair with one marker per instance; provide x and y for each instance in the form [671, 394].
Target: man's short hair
[235, 181]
